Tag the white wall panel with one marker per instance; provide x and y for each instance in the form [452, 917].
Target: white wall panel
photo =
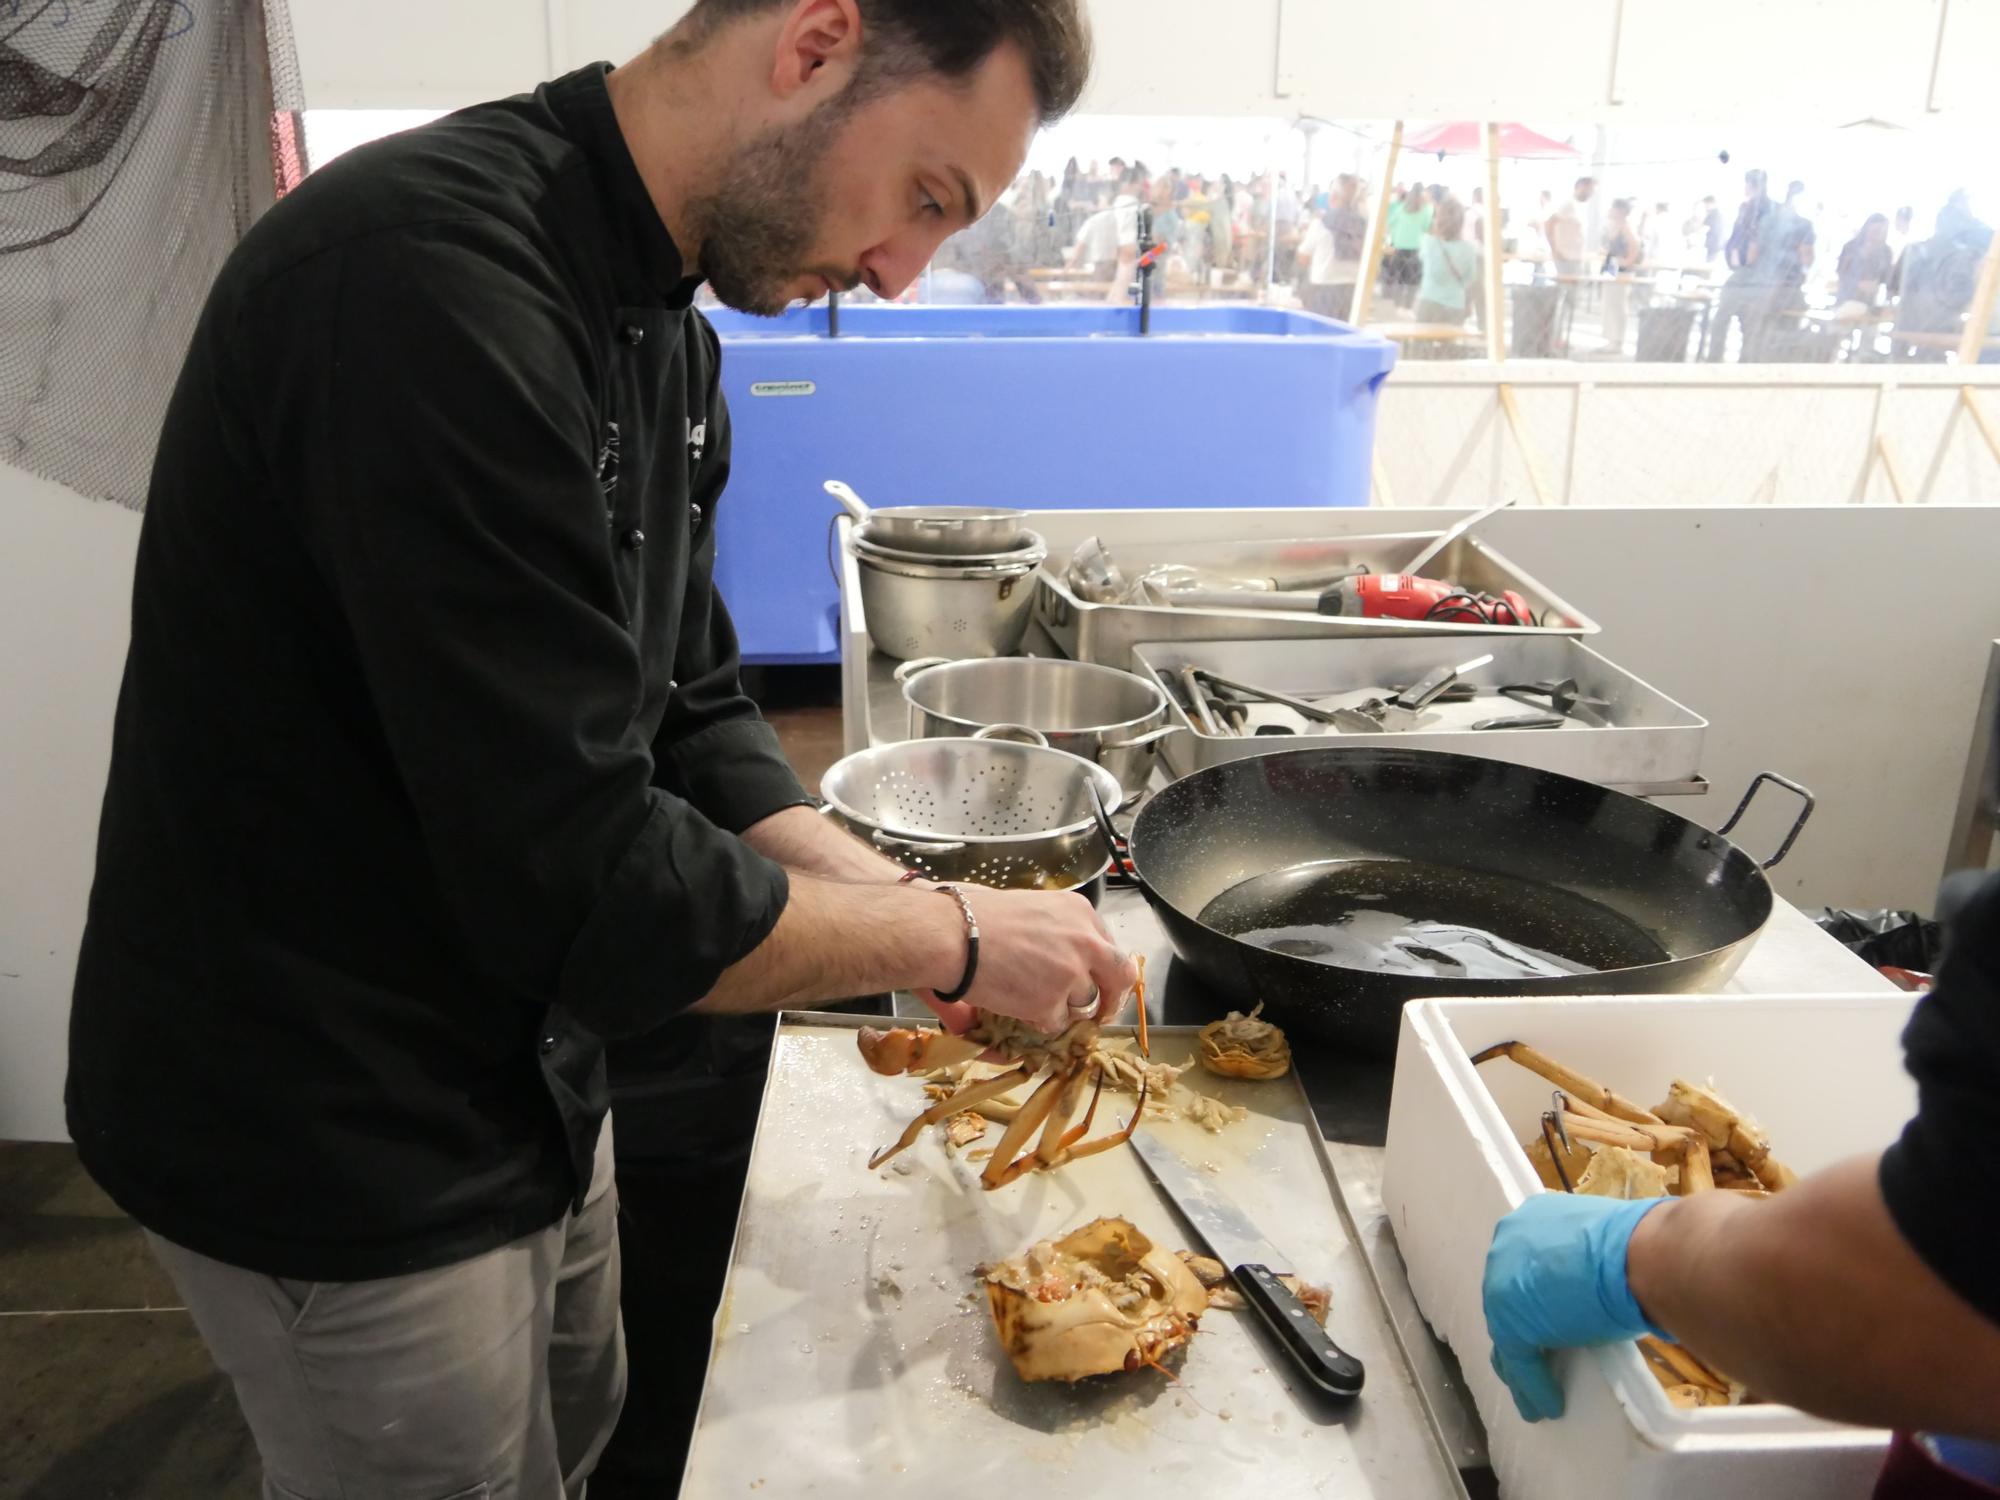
[418, 54]
[65, 614]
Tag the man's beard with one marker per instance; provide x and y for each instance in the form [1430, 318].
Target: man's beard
[757, 226]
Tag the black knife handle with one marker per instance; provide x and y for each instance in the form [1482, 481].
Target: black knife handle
[1324, 1362]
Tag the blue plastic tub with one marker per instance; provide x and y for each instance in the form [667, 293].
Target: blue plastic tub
[1056, 406]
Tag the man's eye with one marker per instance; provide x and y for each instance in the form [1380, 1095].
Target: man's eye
[932, 206]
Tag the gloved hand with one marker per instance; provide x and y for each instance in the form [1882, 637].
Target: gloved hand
[1555, 1279]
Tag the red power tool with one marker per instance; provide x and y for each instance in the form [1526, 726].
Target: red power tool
[1402, 596]
[1393, 596]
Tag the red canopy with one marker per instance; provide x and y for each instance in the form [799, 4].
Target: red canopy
[1468, 138]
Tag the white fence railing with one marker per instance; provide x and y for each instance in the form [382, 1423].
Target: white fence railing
[1582, 434]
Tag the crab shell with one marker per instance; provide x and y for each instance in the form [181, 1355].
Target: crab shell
[1085, 1333]
[1241, 1046]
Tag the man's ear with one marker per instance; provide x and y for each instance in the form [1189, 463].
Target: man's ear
[817, 49]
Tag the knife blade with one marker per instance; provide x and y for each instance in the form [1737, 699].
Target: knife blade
[1253, 1263]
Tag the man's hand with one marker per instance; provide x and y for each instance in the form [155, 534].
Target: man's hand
[1044, 958]
[1555, 1279]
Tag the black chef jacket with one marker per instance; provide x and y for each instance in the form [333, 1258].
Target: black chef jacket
[431, 748]
[1942, 1179]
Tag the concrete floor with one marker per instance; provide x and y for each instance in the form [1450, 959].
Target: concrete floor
[105, 1390]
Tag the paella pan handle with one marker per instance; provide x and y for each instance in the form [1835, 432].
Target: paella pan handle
[1798, 824]
[1119, 849]
[1012, 732]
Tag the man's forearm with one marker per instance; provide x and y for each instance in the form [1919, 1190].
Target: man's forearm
[1814, 1298]
[800, 839]
[836, 940]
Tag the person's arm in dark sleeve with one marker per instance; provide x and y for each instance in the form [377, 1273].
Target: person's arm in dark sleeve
[1941, 1180]
[713, 746]
[428, 413]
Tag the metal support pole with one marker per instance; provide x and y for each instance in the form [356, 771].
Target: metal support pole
[1271, 227]
[1378, 224]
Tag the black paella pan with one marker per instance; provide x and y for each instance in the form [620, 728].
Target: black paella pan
[1335, 884]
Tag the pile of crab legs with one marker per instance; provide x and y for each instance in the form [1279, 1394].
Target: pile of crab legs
[1071, 1059]
[1585, 1110]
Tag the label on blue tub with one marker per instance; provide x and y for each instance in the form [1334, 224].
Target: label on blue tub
[782, 387]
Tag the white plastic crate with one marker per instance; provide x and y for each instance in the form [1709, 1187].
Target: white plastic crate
[1824, 1075]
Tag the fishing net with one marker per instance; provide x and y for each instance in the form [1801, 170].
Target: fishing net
[138, 140]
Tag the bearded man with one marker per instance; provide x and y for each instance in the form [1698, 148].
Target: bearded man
[432, 769]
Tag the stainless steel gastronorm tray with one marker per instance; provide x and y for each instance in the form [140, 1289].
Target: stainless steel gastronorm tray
[1107, 633]
[854, 1355]
[1643, 741]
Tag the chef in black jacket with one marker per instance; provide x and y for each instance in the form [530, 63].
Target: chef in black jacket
[432, 769]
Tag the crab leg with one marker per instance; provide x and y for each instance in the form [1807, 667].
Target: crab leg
[1003, 1168]
[908, 1048]
[1647, 1138]
[1116, 1138]
[1570, 1081]
[1048, 1150]
[964, 1099]
[1139, 990]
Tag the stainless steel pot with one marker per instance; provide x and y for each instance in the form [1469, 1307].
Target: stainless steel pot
[914, 609]
[1031, 549]
[983, 810]
[935, 530]
[1113, 718]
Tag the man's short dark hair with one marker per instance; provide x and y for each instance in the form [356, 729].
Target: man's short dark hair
[904, 40]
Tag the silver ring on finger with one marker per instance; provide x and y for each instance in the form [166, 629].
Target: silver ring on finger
[1087, 1006]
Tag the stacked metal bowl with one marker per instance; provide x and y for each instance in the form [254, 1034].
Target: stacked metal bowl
[943, 580]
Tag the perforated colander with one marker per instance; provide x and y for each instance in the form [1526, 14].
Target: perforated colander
[987, 811]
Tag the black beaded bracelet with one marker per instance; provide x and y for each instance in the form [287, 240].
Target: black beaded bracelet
[971, 943]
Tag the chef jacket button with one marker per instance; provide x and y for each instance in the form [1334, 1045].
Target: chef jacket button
[695, 511]
[633, 540]
[672, 685]
[548, 1045]
[633, 334]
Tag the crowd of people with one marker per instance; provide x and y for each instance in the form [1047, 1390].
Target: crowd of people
[1085, 233]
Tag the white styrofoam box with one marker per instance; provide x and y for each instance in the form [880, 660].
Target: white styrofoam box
[1823, 1074]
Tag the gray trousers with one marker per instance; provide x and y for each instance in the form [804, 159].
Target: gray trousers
[498, 1378]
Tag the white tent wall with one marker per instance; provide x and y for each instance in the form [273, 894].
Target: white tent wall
[1641, 61]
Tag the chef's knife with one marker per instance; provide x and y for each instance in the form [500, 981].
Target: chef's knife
[1252, 1264]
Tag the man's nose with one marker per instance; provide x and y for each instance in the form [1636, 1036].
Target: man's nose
[896, 262]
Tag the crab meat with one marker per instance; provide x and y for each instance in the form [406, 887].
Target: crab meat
[1100, 1300]
[1615, 1172]
[1240, 1046]
[964, 1128]
[1726, 1129]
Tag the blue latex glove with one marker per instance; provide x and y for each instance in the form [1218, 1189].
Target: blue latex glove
[1555, 1279]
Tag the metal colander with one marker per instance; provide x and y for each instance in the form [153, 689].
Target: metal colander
[987, 811]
